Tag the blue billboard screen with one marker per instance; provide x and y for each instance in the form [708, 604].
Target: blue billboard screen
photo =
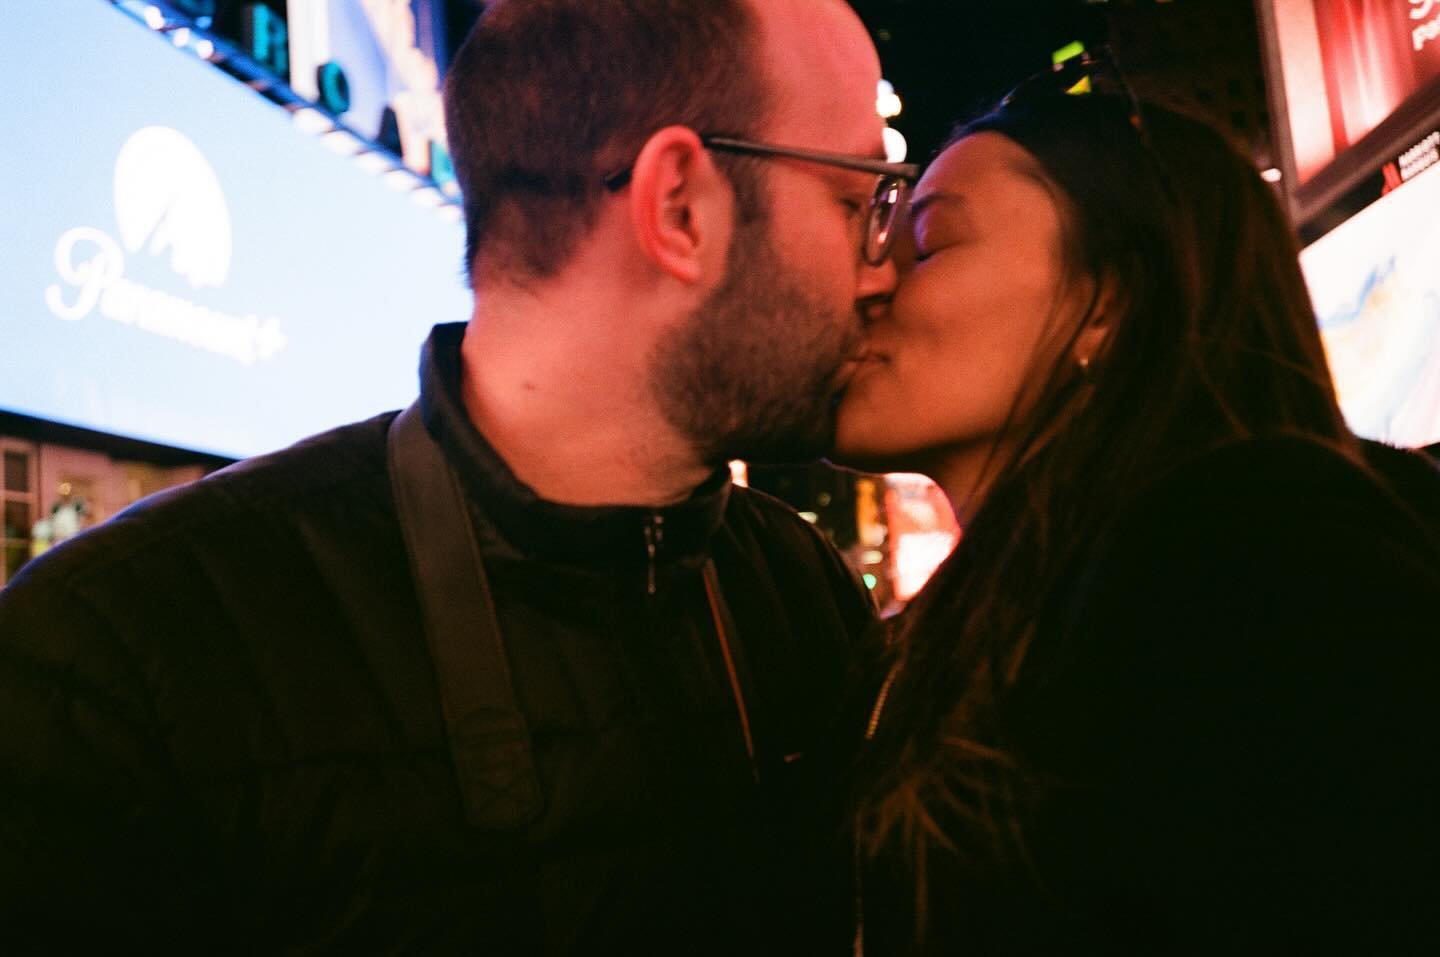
[184, 265]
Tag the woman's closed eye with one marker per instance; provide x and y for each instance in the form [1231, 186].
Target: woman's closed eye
[928, 240]
[926, 250]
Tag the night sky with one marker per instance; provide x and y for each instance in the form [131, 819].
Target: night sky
[945, 57]
[951, 59]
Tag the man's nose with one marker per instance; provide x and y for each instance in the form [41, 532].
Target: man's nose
[877, 281]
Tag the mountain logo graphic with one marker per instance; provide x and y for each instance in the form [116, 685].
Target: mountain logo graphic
[168, 200]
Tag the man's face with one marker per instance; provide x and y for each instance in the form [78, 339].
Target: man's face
[756, 372]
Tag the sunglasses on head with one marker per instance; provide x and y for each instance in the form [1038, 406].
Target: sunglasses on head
[1071, 76]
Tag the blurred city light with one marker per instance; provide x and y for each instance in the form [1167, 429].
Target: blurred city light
[887, 102]
[374, 161]
[343, 143]
[311, 120]
[896, 147]
[400, 179]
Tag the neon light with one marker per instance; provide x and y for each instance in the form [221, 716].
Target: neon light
[334, 88]
[1068, 52]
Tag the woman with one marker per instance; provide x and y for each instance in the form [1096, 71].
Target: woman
[1176, 690]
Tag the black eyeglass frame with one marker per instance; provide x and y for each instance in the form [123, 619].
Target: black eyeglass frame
[894, 183]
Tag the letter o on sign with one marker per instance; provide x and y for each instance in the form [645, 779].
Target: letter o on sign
[334, 88]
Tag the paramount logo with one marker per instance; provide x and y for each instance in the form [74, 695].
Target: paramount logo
[168, 202]
[166, 193]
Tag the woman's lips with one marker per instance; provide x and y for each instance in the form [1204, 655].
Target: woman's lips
[856, 366]
[857, 362]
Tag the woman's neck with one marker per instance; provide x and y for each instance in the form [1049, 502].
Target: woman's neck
[966, 475]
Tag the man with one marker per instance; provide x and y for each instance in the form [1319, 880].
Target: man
[569, 694]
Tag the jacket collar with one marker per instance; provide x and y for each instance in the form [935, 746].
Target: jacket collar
[543, 529]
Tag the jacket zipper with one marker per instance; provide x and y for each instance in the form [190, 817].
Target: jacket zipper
[654, 536]
[880, 700]
[712, 594]
[870, 729]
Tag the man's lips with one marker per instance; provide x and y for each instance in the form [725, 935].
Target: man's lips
[856, 364]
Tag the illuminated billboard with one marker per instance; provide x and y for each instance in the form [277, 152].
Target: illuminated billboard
[186, 266]
[1351, 81]
[1376, 285]
[389, 52]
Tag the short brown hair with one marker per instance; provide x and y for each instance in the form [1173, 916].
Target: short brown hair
[547, 97]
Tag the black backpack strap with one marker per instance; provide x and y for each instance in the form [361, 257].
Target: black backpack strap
[489, 742]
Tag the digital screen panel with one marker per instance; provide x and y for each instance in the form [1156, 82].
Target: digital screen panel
[1348, 65]
[390, 54]
[1376, 287]
[183, 265]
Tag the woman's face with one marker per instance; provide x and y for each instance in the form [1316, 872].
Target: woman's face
[980, 272]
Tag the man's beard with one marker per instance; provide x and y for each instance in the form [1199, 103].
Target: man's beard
[752, 373]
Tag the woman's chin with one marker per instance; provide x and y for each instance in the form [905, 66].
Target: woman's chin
[867, 453]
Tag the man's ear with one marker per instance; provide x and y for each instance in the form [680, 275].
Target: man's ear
[679, 204]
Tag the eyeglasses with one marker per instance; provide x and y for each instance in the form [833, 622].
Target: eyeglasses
[886, 201]
[1064, 77]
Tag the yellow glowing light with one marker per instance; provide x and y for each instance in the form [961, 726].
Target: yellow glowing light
[1068, 52]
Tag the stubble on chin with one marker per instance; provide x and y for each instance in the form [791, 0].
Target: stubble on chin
[752, 373]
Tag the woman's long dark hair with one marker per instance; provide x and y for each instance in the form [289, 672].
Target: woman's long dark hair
[1212, 338]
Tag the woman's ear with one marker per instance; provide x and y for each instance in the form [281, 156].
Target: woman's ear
[1106, 304]
[679, 204]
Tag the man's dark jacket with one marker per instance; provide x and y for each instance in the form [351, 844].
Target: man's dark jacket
[220, 729]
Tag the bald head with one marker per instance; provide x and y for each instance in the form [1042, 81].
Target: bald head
[821, 71]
